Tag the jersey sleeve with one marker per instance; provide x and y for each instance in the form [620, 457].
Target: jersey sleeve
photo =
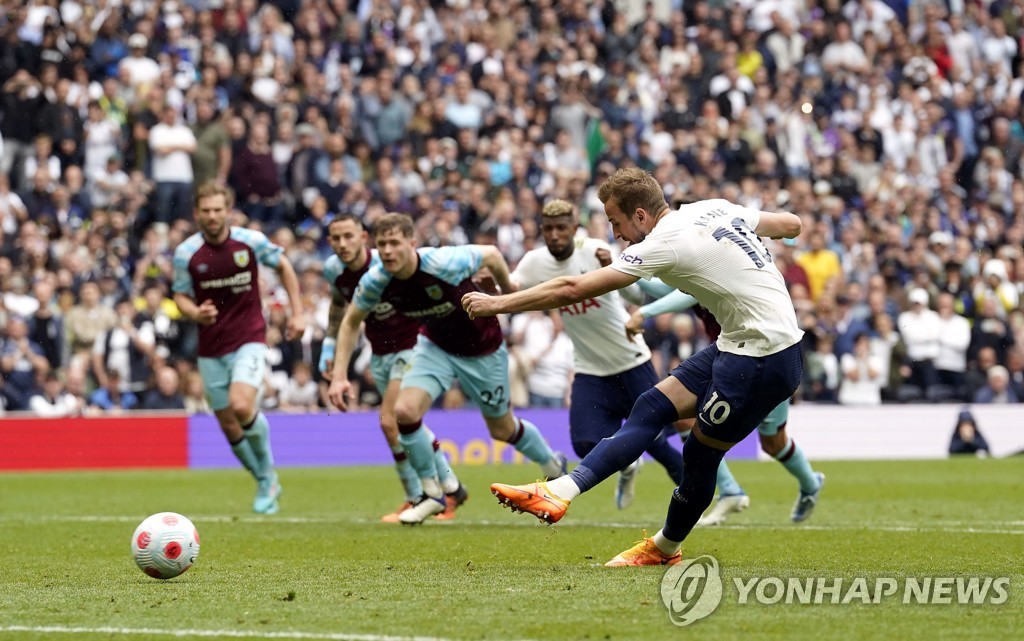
[646, 259]
[182, 283]
[267, 253]
[452, 264]
[525, 275]
[674, 301]
[332, 269]
[370, 289]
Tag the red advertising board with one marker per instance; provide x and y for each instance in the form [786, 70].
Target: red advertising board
[138, 441]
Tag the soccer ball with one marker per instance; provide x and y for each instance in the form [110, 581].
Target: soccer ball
[165, 545]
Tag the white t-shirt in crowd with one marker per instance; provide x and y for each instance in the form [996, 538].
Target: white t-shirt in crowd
[175, 167]
[597, 326]
[867, 389]
[709, 250]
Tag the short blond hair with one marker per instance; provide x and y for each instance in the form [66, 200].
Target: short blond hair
[558, 208]
[213, 188]
[631, 189]
[402, 222]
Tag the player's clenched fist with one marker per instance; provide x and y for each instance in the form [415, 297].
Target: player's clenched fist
[478, 304]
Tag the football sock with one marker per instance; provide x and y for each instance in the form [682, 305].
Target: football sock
[410, 481]
[528, 440]
[257, 432]
[243, 452]
[668, 455]
[667, 547]
[693, 496]
[792, 458]
[727, 485]
[445, 473]
[651, 413]
[419, 445]
[564, 487]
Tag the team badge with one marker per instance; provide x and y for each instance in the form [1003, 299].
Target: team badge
[242, 258]
[434, 291]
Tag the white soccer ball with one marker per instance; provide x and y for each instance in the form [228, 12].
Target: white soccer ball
[165, 545]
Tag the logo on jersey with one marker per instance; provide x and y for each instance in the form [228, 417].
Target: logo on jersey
[434, 291]
[242, 257]
[580, 308]
[631, 259]
[202, 268]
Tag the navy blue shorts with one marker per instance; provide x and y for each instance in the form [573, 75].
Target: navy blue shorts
[601, 403]
[735, 393]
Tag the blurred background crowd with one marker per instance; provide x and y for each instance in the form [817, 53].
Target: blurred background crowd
[894, 129]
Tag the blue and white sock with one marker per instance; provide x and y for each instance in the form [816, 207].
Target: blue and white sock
[528, 440]
[243, 452]
[727, 485]
[419, 446]
[257, 432]
[410, 480]
[792, 458]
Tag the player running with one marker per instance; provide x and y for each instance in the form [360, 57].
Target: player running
[771, 431]
[710, 249]
[612, 369]
[392, 337]
[216, 284]
[428, 284]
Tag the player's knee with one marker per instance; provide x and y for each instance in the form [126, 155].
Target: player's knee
[582, 448]
[406, 414]
[772, 444]
[242, 408]
[388, 424]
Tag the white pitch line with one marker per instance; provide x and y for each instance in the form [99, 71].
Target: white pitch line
[237, 634]
[953, 526]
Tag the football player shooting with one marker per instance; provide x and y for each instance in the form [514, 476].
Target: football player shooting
[711, 250]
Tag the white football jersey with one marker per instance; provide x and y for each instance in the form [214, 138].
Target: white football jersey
[597, 326]
[709, 250]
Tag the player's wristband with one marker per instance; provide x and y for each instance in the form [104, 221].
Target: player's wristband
[326, 353]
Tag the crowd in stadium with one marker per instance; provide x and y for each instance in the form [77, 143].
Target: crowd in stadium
[896, 135]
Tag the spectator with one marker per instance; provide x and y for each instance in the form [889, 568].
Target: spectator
[255, 179]
[920, 329]
[126, 348]
[820, 264]
[166, 395]
[46, 327]
[301, 393]
[193, 394]
[112, 395]
[172, 144]
[53, 401]
[863, 375]
[212, 157]
[22, 362]
[997, 389]
[954, 340]
[966, 437]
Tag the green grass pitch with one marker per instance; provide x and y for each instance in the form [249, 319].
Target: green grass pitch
[324, 568]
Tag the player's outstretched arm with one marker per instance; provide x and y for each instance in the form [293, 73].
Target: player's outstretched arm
[347, 335]
[555, 293]
[673, 302]
[778, 225]
[290, 282]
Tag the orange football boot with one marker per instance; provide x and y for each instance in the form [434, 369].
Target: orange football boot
[452, 503]
[534, 498]
[644, 552]
[393, 517]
